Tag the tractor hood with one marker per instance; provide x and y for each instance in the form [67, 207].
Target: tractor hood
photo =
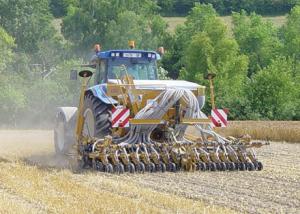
[162, 84]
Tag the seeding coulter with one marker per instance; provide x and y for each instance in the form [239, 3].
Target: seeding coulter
[129, 121]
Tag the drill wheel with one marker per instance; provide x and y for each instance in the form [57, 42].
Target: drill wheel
[201, 166]
[236, 166]
[158, 167]
[227, 166]
[230, 166]
[250, 166]
[97, 165]
[178, 168]
[162, 167]
[221, 166]
[127, 168]
[119, 168]
[150, 167]
[109, 168]
[171, 167]
[258, 166]
[207, 165]
[242, 166]
[85, 163]
[140, 167]
[130, 168]
[213, 166]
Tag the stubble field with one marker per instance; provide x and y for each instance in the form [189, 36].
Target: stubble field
[34, 180]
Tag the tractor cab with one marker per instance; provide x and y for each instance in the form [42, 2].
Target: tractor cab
[114, 64]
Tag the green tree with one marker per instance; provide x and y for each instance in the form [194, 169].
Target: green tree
[6, 45]
[270, 7]
[291, 39]
[226, 7]
[148, 34]
[59, 8]
[224, 59]
[257, 39]
[291, 32]
[12, 99]
[27, 21]
[88, 23]
[207, 47]
[273, 93]
[182, 7]
[202, 18]
[166, 6]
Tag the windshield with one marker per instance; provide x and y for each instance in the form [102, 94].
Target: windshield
[139, 69]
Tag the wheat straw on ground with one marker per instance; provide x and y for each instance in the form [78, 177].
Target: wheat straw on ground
[288, 131]
[63, 192]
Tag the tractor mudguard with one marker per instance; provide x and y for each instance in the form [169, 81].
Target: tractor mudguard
[99, 91]
[64, 130]
[67, 112]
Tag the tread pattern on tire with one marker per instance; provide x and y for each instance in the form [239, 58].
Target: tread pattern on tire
[102, 114]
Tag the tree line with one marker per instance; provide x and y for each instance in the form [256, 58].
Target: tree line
[226, 7]
[257, 64]
[182, 7]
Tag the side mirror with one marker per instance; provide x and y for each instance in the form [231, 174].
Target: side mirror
[73, 75]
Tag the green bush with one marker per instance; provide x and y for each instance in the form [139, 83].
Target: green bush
[273, 92]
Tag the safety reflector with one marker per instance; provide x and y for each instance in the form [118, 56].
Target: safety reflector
[120, 117]
[219, 117]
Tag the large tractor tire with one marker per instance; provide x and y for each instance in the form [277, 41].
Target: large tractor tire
[97, 117]
[64, 130]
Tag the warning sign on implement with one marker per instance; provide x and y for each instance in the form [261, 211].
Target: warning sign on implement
[219, 117]
[120, 117]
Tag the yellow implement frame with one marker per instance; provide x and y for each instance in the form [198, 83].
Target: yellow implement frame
[86, 74]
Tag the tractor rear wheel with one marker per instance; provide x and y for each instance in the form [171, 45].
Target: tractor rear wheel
[97, 117]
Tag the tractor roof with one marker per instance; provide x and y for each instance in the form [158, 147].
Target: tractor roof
[129, 54]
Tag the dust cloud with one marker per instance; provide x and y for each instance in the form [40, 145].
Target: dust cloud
[34, 147]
